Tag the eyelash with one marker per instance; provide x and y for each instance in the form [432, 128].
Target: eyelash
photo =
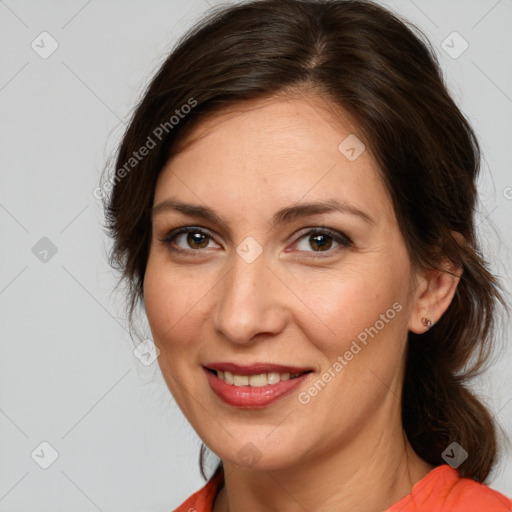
[342, 239]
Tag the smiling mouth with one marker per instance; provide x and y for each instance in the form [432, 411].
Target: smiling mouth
[256, 380]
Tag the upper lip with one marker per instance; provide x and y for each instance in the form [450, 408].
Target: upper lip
[255, 368]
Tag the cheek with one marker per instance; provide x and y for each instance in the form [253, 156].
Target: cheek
[361, 339]
[354, 305]
[161, 299]
[174, 301]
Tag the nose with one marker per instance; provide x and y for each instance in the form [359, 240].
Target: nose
[250, 301]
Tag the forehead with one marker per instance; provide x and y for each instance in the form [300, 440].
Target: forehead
[294, 115]
[275, 151]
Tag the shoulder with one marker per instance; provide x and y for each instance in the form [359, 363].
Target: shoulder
[203, 499]
[443, 490]
[467, 494]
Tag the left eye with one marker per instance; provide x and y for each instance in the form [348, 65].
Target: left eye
[321, 240]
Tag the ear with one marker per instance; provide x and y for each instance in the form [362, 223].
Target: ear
[434, 293]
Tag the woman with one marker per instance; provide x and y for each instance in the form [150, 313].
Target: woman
[293, 206]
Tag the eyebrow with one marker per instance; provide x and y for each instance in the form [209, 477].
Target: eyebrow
[282, 216]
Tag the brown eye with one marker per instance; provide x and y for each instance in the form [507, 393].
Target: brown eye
[321, 240]
[194, 238]
[191, 239]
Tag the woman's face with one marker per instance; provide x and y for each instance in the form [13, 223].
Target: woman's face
[325, 291]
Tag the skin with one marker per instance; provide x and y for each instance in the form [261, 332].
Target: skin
[294, 304]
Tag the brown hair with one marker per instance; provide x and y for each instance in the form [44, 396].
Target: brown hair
[362, 58]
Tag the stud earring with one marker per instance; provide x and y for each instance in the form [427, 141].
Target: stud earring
[427, 322]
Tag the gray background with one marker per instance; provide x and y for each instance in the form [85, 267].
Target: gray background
[68, 373]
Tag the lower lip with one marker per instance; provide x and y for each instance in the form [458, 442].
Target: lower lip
[248, 396]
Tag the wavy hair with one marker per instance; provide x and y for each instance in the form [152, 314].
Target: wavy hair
[383, 71]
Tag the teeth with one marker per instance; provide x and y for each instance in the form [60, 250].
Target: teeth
[255, 381]
[240, 380]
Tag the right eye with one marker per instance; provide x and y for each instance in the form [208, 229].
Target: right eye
[193, 237]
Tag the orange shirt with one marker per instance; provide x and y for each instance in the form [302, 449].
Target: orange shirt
[441, 490]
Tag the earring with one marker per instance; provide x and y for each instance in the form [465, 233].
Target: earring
[427, 322]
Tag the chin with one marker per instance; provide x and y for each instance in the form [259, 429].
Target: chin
[260, 454]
